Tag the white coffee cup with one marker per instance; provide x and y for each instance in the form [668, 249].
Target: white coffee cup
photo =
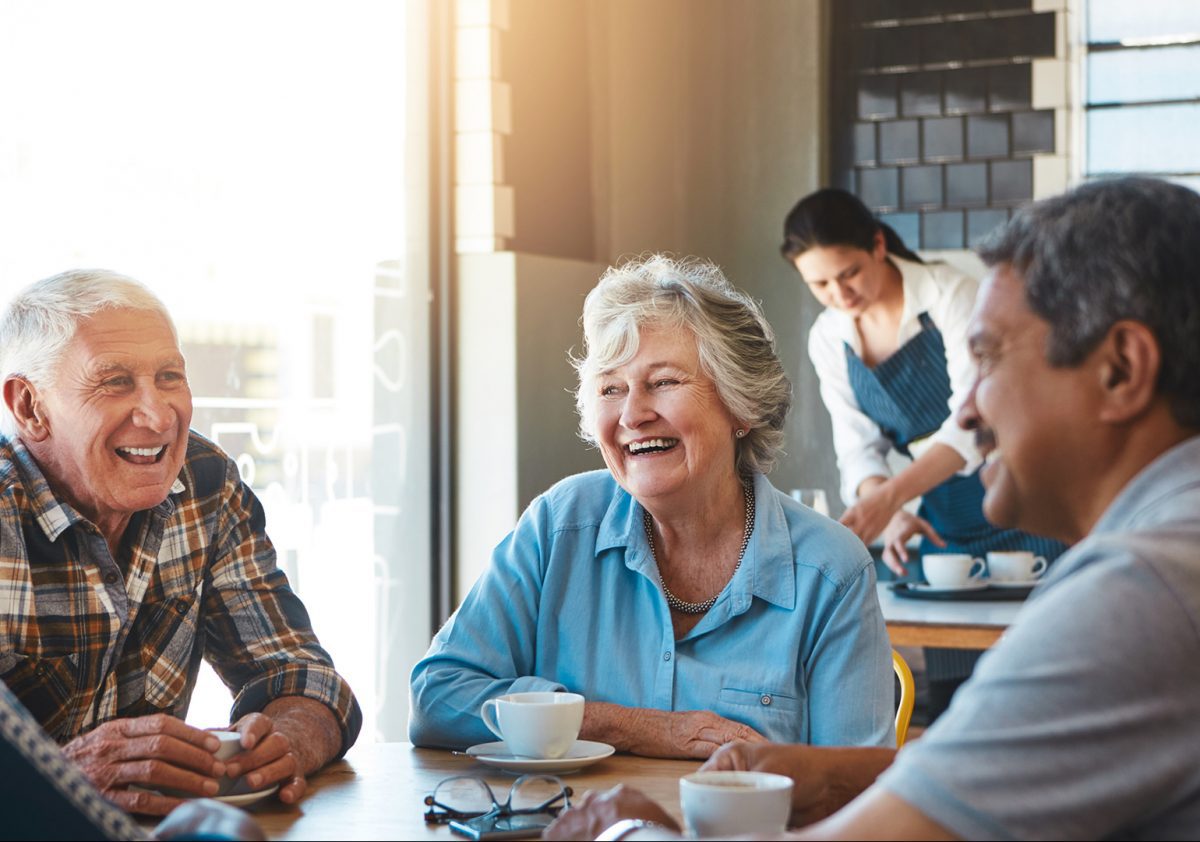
[725, 804]
[1015, 566]
[231, 744]
[952, 570]
[542, 725]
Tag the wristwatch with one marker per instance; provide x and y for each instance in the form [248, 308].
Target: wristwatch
[624, 827]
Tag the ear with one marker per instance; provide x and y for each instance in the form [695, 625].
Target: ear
[21, 398]
[1129, 362]
[879, 251]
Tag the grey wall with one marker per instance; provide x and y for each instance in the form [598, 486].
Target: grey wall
[689, 126]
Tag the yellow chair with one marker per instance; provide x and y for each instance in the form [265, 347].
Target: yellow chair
[908, 693]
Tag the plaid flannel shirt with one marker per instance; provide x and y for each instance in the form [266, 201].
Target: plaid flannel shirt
[81, 643]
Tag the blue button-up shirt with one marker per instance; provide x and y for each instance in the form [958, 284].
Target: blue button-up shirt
[795, 646]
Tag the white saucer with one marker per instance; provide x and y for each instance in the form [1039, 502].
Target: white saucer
[245, 799]
[928, 588]
[1027, 584]
[583, 753]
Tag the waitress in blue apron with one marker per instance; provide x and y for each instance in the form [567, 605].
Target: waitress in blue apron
[891, 354]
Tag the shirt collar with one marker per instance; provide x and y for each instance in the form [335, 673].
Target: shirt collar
[53, 516]
[768, 567]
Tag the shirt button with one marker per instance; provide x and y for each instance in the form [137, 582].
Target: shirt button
[40, 670]
[110, 578]
[666, 656]
[181, 606]
[766, 700]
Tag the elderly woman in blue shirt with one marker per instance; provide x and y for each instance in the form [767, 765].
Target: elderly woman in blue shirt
[688, 600]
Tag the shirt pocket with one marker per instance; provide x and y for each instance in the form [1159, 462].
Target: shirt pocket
[168, 640]
[764, 701]
[46, 687]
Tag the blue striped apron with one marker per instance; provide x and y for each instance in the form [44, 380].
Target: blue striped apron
[908, 396]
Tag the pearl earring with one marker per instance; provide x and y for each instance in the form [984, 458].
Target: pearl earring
[741, 434]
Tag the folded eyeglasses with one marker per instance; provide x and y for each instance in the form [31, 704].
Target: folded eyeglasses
[466, 796]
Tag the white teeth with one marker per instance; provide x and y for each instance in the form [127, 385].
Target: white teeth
[639, 446]
[142, 451]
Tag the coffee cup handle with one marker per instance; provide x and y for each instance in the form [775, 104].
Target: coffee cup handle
[1039, 567]
[978, 568]
[488, 714]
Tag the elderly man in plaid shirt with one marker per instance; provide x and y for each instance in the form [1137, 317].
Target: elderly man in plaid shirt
[130, 549]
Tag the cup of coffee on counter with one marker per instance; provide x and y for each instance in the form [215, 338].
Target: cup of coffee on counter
[1017, 566]
[539, 725]
[725, 804]
[952, 570]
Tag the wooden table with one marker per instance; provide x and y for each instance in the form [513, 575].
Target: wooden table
[378, 791]
[948, 625]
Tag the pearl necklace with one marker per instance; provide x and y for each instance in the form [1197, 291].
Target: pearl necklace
[675, 602]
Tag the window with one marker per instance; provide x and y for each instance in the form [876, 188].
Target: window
[1142, 106]
[255, 164]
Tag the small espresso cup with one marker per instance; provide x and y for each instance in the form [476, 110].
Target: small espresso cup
[231, 744]
[1015, 566]
[541, 725]
[725, 804]
[952, 570]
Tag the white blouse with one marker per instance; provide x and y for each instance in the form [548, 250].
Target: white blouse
[948, 296]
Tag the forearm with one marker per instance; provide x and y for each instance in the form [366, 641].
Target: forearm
[869, 485]
[833, 777]
[624, 728]
[310, 726]
[931, 469]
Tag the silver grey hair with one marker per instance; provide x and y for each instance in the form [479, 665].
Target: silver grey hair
[735, 342]
[40, 321]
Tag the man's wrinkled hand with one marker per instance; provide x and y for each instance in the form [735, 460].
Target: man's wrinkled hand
[149, 753]
[595, 812]
[267, 758]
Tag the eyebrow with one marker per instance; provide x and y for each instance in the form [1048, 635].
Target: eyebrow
[103, 369]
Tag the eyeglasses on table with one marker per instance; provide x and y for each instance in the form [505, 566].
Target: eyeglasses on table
[467, 796]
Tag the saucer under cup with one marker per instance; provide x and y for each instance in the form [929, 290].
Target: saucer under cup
[535, 725]
[725, 804]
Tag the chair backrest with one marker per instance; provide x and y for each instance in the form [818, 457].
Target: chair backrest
[908, 694]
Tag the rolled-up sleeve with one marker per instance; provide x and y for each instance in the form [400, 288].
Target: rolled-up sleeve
[259, 637]
[488, 646]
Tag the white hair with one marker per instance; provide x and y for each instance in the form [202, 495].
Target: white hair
[736, 344]
[40, 321]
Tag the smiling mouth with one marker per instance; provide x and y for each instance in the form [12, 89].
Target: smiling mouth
[142, 455]
[637, 448]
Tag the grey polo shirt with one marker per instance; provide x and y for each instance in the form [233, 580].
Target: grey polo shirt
[1084, 721]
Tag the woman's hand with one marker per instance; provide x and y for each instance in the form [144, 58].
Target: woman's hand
[694, 734]
[900, 528]
[874, 509]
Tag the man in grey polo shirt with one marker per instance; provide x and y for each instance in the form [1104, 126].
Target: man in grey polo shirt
[1084, 721]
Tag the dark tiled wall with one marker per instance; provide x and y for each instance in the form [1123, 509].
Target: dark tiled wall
[933, 121]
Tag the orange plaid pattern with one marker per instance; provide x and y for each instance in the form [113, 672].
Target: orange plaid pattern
[84, 641]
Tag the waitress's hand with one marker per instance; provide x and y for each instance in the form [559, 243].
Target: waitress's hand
[900, 528]
[868, 517]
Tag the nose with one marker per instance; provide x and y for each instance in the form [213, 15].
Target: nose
[637, 410]
[153, 411]
[843, 293]
[968, 413]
